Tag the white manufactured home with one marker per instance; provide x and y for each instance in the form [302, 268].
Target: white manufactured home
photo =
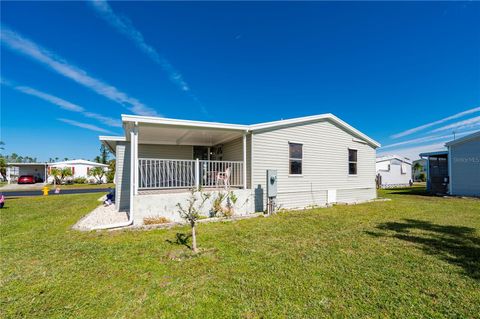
[79, 168]
[394, 171]
[464, 165]
[318, 159]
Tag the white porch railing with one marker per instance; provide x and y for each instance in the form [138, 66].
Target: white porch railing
[172, 173]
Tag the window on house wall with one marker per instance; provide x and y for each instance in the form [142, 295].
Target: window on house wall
[295, 158]
[352, 162]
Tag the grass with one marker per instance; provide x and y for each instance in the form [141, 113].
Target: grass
[32, 187]
[415, 256]
[84, 186]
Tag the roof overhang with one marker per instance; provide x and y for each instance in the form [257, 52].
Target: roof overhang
[430, 154]
[315, 118]
[27, 164]
[397, 157]
[111, 141]
[463, 139]
[158, 130]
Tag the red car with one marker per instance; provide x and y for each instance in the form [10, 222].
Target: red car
[26, 179]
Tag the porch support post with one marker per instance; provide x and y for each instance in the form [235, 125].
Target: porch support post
[137, 175]
[197, 174]
[245, 160]
[133, 165]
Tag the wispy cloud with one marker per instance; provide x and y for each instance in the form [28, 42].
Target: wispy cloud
[123, 25]
[66, 105]
[425, 139]
[425, 126]
[22, 45]
[469, 123]
[413, 152]
[85, 126]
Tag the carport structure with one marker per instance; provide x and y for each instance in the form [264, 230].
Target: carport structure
[38, 170]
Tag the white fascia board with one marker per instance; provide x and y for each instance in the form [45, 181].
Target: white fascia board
[463, 139]
[329, 116]
[112, 138]
[256, 127]
[187, 123]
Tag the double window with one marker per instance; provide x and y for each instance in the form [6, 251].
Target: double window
[295, 158]
[352, 162]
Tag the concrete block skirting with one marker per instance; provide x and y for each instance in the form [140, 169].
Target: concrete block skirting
[165, 205]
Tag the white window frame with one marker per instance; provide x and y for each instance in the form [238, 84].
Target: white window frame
[349, 161]
[295, 159]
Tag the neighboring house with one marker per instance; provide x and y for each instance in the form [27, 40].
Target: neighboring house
[319, 160]
[464, 166]
[419, 168]
[455, 171]
[395, 171]
[38, 170]
[79, 168]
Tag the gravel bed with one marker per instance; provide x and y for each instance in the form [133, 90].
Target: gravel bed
[102, 215]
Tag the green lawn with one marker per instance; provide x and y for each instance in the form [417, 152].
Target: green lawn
[415, 256]
[77, 186]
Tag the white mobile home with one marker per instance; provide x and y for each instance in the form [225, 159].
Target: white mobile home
[394, 171]
[318, 159]
[79, 168]
[464, 165]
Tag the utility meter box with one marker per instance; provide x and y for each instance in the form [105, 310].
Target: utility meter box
[271, 182]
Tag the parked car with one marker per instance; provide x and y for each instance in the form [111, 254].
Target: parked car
[26, 179]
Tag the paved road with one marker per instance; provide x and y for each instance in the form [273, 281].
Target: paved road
[62, 192]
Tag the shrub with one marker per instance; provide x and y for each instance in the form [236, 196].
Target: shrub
[421, 177]
[156, 220]
[80, 180]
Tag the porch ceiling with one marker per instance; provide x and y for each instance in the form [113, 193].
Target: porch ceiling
[182, 135]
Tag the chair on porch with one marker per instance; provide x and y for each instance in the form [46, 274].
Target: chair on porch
[224, 177]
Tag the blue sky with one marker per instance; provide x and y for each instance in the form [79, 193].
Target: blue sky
[406, 74]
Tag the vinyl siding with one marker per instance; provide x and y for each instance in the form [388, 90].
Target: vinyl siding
[233, 151]
[122, 176]
[165, 151]
[325, 165]
[465, 166]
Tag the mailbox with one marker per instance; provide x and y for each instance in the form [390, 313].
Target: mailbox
[271, 182]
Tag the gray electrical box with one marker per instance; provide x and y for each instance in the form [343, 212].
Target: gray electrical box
[271, 182]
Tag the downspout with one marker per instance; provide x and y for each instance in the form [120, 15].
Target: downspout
[133, 146]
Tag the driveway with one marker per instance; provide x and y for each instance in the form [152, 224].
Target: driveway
[21, 187]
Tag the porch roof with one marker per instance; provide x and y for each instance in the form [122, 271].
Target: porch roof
[155, 130]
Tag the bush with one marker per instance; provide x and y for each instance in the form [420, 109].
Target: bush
[156, 220]
[421, 177]
[80, 180]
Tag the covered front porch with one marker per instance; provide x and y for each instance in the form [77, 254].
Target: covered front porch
[179, 156]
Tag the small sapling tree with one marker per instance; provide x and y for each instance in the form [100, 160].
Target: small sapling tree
[191, 213]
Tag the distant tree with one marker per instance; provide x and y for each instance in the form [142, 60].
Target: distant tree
[111, 171]
[417, 167]
[104, 153]
[65, 159]
[97, 159]
[3, 167]
[2, 143]
[97, 173]
[60, 174]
